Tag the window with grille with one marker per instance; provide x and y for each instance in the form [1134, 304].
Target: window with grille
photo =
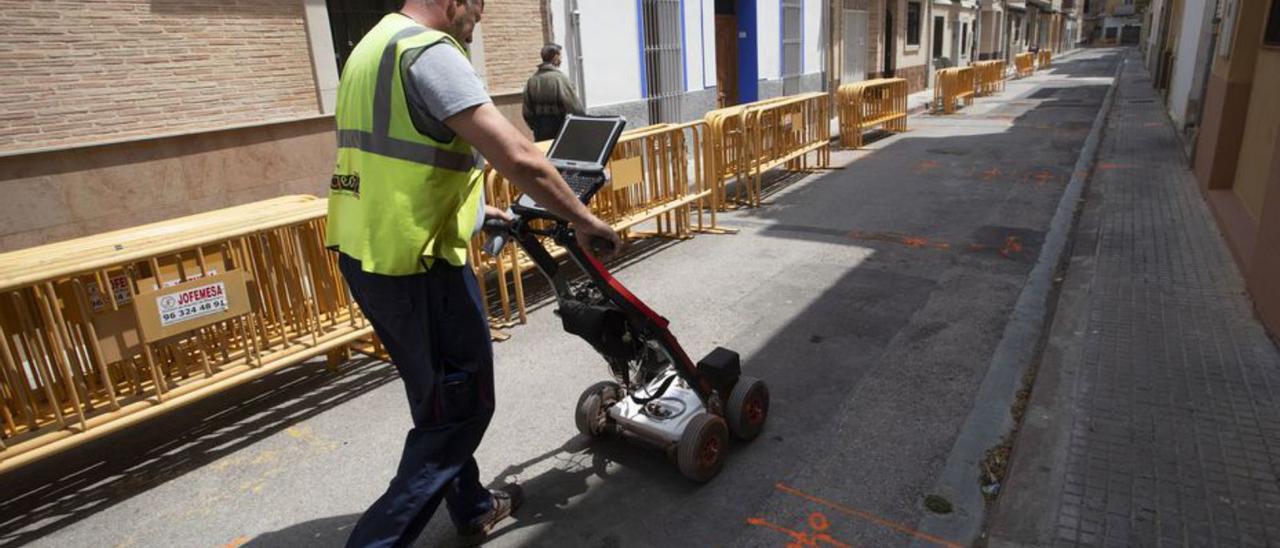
[664, 59]
[792, 45]
[350, 20]
[913, 23]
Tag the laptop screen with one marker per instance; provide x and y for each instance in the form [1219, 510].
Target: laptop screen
[583, 140]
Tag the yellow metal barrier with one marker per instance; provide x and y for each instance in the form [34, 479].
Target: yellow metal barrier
[659, 175]
[872, 103]
[99, 333]
[726, 156]
[782, 134]
[1044, 59]
[990, 76]
[1024, 64]
[952, 86]
[747, 140]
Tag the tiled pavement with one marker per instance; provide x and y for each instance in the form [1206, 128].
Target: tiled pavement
[1171, 409]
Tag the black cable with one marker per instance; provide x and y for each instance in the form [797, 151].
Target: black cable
[661, 390]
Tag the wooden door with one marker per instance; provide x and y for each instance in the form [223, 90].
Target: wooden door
[727, 59]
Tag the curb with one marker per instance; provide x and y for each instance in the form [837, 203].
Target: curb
[989, 420]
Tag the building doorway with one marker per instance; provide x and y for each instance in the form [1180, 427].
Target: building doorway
[939, 25]
[890, 40]
[350, 20]
[854, 67]
[726, 53]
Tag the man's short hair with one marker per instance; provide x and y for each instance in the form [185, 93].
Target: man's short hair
[550, 51]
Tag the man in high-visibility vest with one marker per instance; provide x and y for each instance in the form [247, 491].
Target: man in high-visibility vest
[405, 199]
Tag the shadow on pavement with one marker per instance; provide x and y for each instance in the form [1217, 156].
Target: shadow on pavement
[549, 495]
[58, 491]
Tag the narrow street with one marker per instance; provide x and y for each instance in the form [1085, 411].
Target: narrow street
[872, 297]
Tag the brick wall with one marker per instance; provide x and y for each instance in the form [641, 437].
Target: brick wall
[513, 38]
[76, 72]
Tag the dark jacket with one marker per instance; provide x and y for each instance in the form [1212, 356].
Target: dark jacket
[548, 97]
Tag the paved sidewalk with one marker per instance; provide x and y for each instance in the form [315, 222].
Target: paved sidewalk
[1155, 420]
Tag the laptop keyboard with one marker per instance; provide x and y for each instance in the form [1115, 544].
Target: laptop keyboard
[580, 182]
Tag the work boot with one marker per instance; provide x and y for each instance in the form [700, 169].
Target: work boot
[505, 501]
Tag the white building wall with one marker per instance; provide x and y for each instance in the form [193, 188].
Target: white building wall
[695, 45]
[814, 53]
[769, 39]
[610, 51]
[559, 30]
[1189, 59]
[708, 61]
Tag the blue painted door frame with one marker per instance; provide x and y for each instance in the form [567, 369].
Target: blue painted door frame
[748, 51]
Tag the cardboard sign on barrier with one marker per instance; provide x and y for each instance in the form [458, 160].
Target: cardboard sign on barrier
[626, 172]
[191, 305]
[173, 272]
[99, 300]
[118, 336]
[116, 329]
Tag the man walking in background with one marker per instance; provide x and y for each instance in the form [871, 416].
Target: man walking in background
[548, 96]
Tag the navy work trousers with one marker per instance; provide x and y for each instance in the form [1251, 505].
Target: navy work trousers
[433, 325]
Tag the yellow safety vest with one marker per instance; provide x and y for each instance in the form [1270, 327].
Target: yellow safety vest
[398, 198]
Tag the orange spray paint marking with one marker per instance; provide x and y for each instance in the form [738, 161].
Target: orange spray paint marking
[1104, 166]
[1011, 245]
[1041, 177]
[867, 516]
[991, 174]
[237, 543]
[914, 242]
[925, 166]
[800, 539]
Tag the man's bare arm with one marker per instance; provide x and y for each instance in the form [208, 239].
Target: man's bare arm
[520, 161]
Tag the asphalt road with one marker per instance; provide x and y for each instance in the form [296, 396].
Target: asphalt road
[869, 296]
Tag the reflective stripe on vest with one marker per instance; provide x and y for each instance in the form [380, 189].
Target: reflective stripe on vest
[397, 194]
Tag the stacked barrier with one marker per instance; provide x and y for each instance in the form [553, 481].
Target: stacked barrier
[1043, 59]
[748, 140]
[782, 134]
[726, 156]
[99, 333]
[869, 104]
[659, 175]
[989, 76]
[952, 86]
[1024, 64]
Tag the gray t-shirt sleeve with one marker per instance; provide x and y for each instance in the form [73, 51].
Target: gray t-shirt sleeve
[443, 82]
